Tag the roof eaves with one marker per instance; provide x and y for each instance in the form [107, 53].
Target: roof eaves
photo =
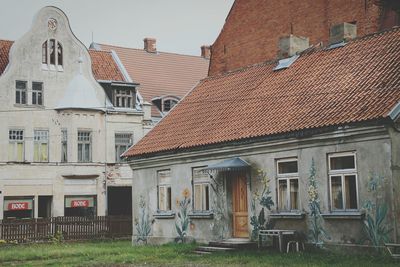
[395, 112]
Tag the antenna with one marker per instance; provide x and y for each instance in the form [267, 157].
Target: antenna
[92, 37]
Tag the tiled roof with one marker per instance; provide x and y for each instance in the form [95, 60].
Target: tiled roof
[324, 87]
[103, 65]
[161, 73]
[5, 46]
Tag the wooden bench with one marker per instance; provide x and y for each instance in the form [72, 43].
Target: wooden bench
[393, 250]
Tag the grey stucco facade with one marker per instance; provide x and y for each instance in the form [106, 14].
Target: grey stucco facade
[375, 148]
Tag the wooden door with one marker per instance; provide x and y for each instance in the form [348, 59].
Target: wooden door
[239, 209]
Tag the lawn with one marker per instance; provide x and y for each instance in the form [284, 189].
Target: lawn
[121, 253]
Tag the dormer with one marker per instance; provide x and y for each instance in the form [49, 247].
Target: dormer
[165, 103]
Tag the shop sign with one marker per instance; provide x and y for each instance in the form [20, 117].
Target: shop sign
[18, 206]
[79, 203]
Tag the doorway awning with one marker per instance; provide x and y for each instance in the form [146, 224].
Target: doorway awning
[234, 164]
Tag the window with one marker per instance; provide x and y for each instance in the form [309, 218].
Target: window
[84, 146]
[122, 142]
[201, 190]
[164, 190]
[16, 145]
[64, 145]
[41, 146]
[83, 206]
[288, 184]
[124, 98]
[343, 181]
[37, 93]
[169, 104]
[52, 53]
[20, 94]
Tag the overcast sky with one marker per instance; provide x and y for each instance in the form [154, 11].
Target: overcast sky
[180, 26]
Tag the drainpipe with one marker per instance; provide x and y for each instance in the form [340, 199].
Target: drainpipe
[105, 156]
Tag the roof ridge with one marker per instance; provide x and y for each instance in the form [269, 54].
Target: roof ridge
[158, 52]
[6, 40]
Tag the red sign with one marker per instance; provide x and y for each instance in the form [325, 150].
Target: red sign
[18, 206]
[79, 203]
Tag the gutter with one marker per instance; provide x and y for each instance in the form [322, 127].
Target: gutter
[395, 112]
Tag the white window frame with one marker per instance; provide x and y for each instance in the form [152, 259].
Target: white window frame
[41, 137]
[342, 173]
[21, 92]
[205, 185]
[84, 143]
[126, 96]
[15, 143]
[35, 94]
[46, 58]
[287, 177]
[164, 100]
[119, 144]
[166, 186]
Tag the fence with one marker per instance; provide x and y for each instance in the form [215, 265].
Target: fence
[72, 228]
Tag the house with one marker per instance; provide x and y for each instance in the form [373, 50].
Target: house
[164, 78]
[327, 111]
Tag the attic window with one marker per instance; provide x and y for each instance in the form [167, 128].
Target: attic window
[286, 62]
[52, 55]
[168, 104]
[124, 98]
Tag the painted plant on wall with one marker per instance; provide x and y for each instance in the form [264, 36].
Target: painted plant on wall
[317, 232]
[264, 198]
[219, 226]
[376, 228]
[143, 224]
[183, 221]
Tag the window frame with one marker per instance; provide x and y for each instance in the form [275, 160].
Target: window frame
[128, 95]
[21, 91]
[202, 182]
[53, 60]
[287, 177]
[83, 143]
[168, 191]
[39, 142]
[342, 173]
[15, 145]
[164, 100]
[118, 145]
[35, 94]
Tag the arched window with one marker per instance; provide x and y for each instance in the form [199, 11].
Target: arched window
[168, 104]
[44, 53]
[52, 53]
[59, 54]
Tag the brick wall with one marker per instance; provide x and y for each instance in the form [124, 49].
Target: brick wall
[252, 29]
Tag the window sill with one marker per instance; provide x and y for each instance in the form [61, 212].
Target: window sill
[201, 215]
[346, 215]
[164, 215]
[288, 215]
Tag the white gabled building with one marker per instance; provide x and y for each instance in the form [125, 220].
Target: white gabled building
[66, 114]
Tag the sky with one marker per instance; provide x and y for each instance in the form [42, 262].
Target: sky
[180, 26]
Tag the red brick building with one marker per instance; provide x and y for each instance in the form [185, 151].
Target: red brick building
[253, 27]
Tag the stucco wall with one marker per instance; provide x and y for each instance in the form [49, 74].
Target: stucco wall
[372, 146]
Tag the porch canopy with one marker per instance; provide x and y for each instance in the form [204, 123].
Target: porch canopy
[233, 164]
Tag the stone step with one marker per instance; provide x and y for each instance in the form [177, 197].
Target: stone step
[213, 249]
[242, 244]
[200, 252]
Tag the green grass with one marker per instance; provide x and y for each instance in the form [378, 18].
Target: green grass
[121, 253]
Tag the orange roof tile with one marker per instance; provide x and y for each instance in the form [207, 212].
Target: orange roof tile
[355, 83]
[161, 73]
[103, 65]
[5, 47]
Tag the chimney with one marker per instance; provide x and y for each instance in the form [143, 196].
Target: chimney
[342, 32]
[205, 51]
[150, 45]
[292, 45]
